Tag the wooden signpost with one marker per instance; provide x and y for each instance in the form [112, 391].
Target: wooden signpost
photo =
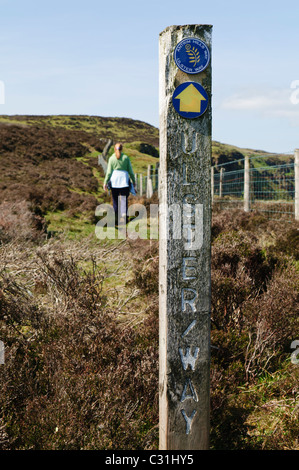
[296, 166]
[185, 243]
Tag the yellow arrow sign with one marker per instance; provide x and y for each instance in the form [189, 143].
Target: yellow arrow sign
[190, 100]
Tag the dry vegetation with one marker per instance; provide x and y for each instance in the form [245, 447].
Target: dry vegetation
[79, 319]
[101, 128]
[42, 166]
[255, 318]
[79, 373]
[80, 327]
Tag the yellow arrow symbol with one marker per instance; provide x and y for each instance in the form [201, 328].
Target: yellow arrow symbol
[190, 100]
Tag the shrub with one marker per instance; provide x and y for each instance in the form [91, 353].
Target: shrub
[255, 285]
[275, 317]
[146, 272]
[40, 165]
[74, 377]
[19, 222]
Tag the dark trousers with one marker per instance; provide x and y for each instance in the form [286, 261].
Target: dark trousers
[120, 196]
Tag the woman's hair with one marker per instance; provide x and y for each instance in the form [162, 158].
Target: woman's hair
[117, 149]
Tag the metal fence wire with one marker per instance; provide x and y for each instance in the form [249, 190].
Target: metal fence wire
[264, 183]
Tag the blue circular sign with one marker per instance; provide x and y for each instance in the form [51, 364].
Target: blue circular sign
[191, 55]
[190, 100]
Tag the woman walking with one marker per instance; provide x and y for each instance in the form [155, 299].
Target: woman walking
[118, 175]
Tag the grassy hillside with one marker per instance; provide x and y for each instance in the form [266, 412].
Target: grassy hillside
[103, 128]
[51, 163]
[224, 153]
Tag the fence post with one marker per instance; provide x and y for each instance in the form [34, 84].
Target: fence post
[140, 184]
[106, 149]
[149, 185]
[246, 184]
[222, 170]
[156, 177]
[296, 165]
[184, 239]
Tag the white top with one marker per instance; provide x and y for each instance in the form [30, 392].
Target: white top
[120, 179]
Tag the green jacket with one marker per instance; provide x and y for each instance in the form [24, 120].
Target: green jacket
[123, 163]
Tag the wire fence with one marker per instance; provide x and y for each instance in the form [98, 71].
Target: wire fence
[147, 184]
[266, 183]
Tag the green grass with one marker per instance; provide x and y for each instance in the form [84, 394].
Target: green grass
[73, 228]
[79, 226]
[275, 410]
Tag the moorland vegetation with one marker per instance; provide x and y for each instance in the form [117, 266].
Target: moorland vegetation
[79, 317]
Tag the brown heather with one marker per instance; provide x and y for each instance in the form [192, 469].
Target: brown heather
[81, 339]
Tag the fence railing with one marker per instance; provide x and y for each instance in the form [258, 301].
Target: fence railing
[148, 184]
[267, 183]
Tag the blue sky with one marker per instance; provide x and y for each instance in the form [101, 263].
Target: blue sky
[101, 58]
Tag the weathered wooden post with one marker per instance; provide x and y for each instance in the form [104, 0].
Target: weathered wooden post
[106, 149]
[149, 182]
[156, 186]
[222, 170]
[246, 184]
[212, 184]
[296, 164]
[185, 208]
[141, 185]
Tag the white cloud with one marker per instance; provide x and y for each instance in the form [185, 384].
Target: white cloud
[266, 102]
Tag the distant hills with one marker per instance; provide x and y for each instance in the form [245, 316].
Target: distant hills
[97, 130]
[102, 128]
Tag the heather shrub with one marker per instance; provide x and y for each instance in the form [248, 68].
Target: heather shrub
[288, 242]
[44, 166]
[240, 268]
[74, 377]
[19, 222]
[146, 269]
[235, 219]
[275, 321]
[255, 293]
